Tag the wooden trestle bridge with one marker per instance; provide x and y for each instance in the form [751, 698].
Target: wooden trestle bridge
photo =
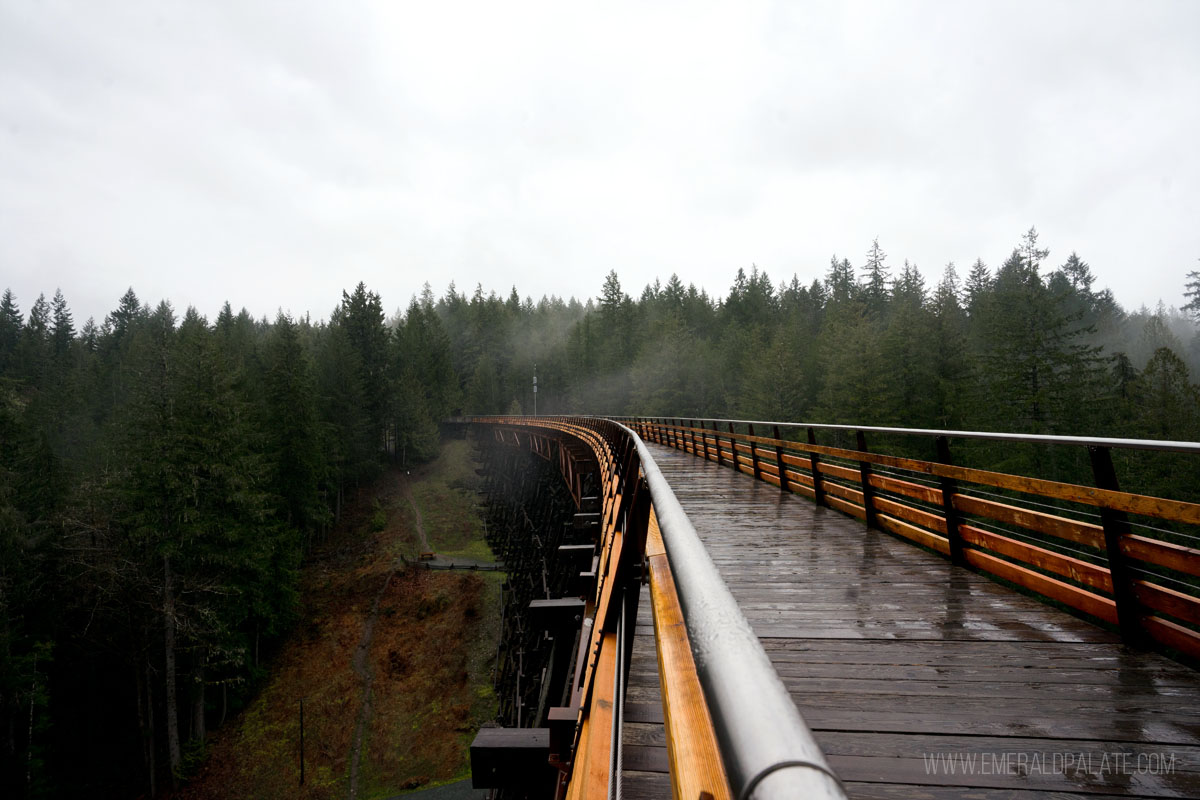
[721, 609]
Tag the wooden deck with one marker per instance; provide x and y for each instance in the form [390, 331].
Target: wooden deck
[919, 679]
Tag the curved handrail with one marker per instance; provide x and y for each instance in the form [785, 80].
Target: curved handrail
[768, 749]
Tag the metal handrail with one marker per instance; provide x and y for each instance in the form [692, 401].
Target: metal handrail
[768, 750]
[1086, 441]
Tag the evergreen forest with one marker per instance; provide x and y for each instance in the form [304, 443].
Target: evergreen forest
[162, 475]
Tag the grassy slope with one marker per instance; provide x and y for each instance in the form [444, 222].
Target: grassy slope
[431, 655]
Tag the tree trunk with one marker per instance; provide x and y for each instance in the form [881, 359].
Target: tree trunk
[145, 707]
[173, 751]
[29, 743]
[199, 732]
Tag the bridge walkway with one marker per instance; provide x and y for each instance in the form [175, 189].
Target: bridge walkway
[918, 678]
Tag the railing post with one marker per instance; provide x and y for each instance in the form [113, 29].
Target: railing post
[1116, 525]
[814, 463]
[754, 456]
[784, 484]
[949, 488]
[717, 441]
[737, 465]
[864, 471]
[692, 434]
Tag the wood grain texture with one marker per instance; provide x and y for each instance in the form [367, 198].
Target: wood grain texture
[1173, 556]
[1076, 569]
[691, 742]
[894, 655]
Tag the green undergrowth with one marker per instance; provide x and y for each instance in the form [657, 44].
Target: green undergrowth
[446, 494]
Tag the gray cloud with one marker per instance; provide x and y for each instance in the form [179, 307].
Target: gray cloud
[274, 153]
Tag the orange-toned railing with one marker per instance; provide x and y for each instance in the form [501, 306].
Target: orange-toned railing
[734, 696]
[1125, 559]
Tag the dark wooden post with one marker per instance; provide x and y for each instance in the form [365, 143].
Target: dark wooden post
[717, 440]
[814, 463]
[754, 456]
[784, 484]
[692, 434]
[737, 465]
[949, 488]
[1116, 525]
[864, 471]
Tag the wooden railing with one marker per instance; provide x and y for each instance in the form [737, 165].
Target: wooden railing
[733, 697]
[1124, 559]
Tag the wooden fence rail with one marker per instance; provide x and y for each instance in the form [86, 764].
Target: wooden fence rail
[1032, 532]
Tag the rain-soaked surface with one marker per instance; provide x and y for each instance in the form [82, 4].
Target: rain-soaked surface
[920, 679]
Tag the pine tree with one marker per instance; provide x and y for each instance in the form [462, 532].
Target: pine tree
[361, 315]
[10, 331]
[839, 281]
[949, 351]
[906, 346]
[874, 286]
[1078, 273]
[1192, 293]
[33, 353]
[1036, 371]
[1169, 406]
[62, 332]
[348, 436]
[293, 443]
[979, 284]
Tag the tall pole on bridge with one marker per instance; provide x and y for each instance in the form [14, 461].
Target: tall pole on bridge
[535, 390]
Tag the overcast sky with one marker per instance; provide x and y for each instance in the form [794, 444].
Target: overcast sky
[273, 154]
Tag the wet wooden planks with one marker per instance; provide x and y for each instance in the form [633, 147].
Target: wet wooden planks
[644, 774]
[924, 680]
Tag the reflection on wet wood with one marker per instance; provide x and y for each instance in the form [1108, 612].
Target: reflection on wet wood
[906, 666]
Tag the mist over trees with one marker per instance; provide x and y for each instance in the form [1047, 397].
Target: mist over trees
[163, 475]
[1023, 346]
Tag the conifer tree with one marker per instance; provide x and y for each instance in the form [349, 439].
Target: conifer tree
[875, 280]
[10, 331]
[293, 445]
